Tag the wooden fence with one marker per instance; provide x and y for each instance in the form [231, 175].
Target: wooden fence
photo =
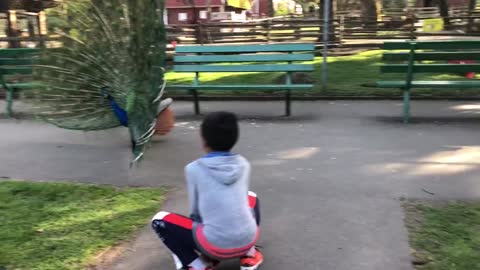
[344, 31]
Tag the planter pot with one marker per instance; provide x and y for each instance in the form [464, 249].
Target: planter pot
[165, 122]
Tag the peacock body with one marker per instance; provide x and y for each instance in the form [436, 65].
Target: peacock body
[110, 59]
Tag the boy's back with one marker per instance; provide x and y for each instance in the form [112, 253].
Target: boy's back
[224, 215]
[218, 188]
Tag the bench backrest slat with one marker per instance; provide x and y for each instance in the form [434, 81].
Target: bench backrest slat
[244, 68]
[242, 58]
[431, 68]
[434, 45]
[246, 48]
[17, 61]
[18, 52]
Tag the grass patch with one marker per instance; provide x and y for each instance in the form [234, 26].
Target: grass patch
[346, 77]
[63, 226]
[445, 236]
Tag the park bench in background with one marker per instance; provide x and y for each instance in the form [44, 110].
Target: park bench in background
[15, 70]
[244, 58]
[429, 57]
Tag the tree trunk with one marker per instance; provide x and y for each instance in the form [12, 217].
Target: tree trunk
[471, 8]
[271, 9]
[369, 10]
[443, 5]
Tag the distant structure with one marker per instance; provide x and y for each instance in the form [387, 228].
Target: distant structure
[23, 19]
[201, 11]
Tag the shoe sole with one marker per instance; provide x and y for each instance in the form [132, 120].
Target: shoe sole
[255, 267]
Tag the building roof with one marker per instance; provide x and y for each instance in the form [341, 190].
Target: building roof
[198, 3]
[30, 5]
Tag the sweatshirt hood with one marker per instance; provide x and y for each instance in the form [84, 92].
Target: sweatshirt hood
[224, 169]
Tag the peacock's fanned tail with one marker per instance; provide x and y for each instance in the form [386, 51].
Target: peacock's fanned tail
[117, 45]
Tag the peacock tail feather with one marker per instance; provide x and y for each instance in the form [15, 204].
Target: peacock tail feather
[114, 44]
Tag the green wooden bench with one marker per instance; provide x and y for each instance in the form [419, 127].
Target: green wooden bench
[429, 57]
[15, 64]
[244, 58]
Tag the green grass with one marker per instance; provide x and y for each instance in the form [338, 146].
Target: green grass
[346, 77]
[63, 226]
[445, 236]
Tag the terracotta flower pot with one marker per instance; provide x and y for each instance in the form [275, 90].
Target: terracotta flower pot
[165, 122]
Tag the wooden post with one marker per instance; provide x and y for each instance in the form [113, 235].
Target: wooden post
[31, 28]
[42, 27]
[342, 29]
[269, 29]
[413, 31]
[42, 23]
[471, 9]
[199, 34]
[12, 28]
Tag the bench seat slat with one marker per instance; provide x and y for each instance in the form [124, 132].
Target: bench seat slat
[15, 61]
[243, 68]
[246, 48]
[15, 70]
[430, 84]
[431, 68]
[242, 58]
[245, 87]
[432, 56]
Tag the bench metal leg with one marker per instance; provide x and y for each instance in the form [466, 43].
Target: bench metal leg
[9, 99]
[196, 102]
[406, 106]
[287, 103]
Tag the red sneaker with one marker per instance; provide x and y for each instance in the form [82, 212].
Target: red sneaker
[251, 263]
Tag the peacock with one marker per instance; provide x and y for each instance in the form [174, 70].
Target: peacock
[106, 69]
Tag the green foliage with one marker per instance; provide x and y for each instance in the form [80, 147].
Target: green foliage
[448, 236]
[282, 9]
[46, 226]
[119, 44]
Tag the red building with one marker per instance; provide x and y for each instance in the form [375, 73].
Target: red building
[182, 12]
[259, 8]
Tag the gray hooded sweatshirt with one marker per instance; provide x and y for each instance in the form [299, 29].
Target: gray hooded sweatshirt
[218, 193]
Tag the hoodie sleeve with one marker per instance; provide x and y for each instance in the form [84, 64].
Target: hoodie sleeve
[192, 193]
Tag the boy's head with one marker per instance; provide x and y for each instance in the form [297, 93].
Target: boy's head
[219, 131]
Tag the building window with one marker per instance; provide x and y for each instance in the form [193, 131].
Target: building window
[203, 14]
[182, 16]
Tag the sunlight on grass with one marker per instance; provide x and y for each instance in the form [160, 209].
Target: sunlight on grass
[63, 226]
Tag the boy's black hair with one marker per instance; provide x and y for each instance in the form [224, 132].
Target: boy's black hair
[220, 131]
